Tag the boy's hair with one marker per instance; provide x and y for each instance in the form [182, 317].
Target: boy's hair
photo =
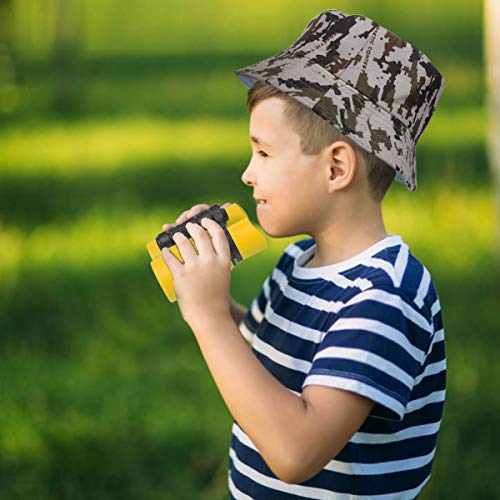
[316, 134]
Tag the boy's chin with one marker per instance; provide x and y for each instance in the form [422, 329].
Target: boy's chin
[277, 231]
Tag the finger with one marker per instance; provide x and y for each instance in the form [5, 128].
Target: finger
[196, 209]
[185, 247]
[167, 227]
[219, 239]
[200, 238]
[172, 262]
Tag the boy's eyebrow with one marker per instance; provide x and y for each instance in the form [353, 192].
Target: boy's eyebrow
[260, 141]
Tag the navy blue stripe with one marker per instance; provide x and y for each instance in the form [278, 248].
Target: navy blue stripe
[437, 352]
[431, 414]
[379, 345]
[438, 321]
[391, 316]
[389, 254]
[366, 484]
[262, 301]
[287, 342]
[373, 484]
[325, 289]
[378, 453]
[292, 379]
[412, 277]
[431, 383]
[370, 375]
[249, 456]
[285, 264]
[258, 491]
[250, 322]
[301, 313]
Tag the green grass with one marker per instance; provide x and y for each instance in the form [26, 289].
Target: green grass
[105, 393]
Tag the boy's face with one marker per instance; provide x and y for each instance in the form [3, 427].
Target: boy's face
[293, 184]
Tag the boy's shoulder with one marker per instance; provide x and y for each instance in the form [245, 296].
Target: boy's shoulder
[391, 267]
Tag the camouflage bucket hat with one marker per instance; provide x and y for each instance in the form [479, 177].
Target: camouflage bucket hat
[374, 87]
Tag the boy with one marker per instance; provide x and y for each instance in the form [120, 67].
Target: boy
[342, 392]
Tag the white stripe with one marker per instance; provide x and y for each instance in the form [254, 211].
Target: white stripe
[289, 327]
[356, 468]
[247, 334]
[280, 357]
[395, 271]
[410, 432]
[401, 263]
[368, 358]
[360, 469]
[431, 369]
[294, 251]
[433, 397]
[292, 293]
[277, 484]
[393, 300]
[300, 297]
[239, 495]
[379, 328]
[439, 335]
[357, 387]
[435, 307]
[311, 492]
[243, 437]
[384, 265]
[266, 288]
[400, 495]
[423, 288]
[256, 312]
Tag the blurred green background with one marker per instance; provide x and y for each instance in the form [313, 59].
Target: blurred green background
[115, 117]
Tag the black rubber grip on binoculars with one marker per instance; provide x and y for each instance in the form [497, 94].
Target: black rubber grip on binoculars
[216, 213]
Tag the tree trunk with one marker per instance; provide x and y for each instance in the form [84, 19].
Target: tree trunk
[492, 51]
[67, 57]
[8, 90]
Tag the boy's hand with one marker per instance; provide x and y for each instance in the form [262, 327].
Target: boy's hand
[202, 282]
[196, 209]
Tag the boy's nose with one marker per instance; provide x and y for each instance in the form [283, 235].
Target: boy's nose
[246, 178]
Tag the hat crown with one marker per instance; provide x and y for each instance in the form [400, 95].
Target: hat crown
[390, 71]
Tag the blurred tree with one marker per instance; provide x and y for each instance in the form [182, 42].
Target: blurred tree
[8, 88]
[67, 57]
[492, 50]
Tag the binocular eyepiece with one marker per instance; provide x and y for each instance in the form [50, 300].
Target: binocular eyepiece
[243, 238]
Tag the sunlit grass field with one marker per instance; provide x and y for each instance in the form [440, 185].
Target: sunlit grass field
[103, 383]
[105, 393]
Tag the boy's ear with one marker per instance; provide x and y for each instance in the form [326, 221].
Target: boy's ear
[342, 165]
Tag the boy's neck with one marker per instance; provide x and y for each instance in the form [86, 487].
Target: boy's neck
[346, 237]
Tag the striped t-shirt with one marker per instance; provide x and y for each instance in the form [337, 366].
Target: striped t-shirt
[372, 325]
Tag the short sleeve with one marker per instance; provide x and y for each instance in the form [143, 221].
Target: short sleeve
[255, 312]
[375, 347]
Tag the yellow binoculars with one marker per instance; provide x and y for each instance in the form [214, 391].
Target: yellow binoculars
[243, 238]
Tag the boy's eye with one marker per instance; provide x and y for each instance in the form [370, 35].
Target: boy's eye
[264, 155]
